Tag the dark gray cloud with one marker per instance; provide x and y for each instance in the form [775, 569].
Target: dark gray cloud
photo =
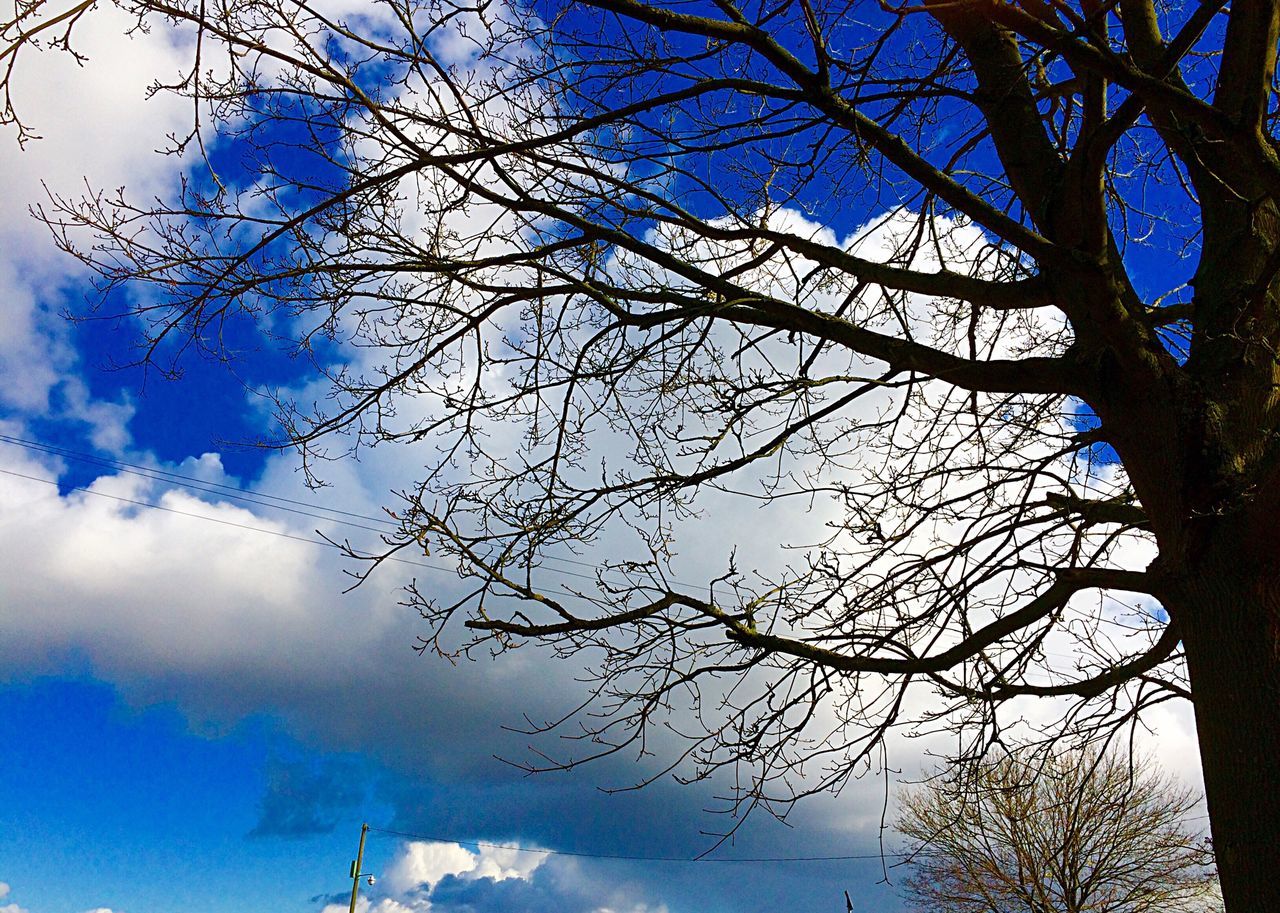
[262, 631]
[665, 819]
[307, 797]
[558, 886]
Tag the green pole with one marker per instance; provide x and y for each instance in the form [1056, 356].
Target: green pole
[355, 868]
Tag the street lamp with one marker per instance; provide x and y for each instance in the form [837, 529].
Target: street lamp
[356, 874]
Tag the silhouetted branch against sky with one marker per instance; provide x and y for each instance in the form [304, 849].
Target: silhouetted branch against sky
[959, 318]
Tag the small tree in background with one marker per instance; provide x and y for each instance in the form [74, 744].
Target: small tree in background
[1080, 833]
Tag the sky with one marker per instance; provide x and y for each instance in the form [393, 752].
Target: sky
[198, 713]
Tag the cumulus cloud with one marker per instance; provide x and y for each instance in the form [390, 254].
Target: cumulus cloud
[230, 622]
[427, 863]
[424, 864]
[75, 105]
[10, 907]
[222, 609]
[439, 876]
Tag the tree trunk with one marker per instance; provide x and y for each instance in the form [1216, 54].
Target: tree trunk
[1230, 623]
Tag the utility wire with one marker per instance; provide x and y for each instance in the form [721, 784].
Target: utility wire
[245, 526]
[305, 509]
[235, 493]
[633, 858]
[231, 491]
[232, 523]
[273, 502]
[324, 543]
[301, 508]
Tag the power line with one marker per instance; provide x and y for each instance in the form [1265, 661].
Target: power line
[305, 509]
[634, 858]
[299, 508]
[261, 499]
[231, 491]
[245, 526]
[325, 543]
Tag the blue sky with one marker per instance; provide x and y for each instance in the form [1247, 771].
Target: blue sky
[194, 716]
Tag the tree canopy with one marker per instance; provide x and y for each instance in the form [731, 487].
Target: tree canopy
[1082, 833]
[976, 299]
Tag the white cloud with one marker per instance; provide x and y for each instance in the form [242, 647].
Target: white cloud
[98, 129]
[229, 622]
[10, 907]
[421, 863]
[99, 125]
[442, 876]
[425, 863]
[33, 348]
[419, 866]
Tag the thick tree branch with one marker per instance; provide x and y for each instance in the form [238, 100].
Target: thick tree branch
[991, 293]
[1054, 599]
[1247, 71]
[1005, 97]
[736, 303]
[1030, 374]
[1157, 60]
[1089, 687]
[845, 112]
[1092, 511]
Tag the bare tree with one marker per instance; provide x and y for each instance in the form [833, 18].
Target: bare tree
[1080, 833]
[596, 260]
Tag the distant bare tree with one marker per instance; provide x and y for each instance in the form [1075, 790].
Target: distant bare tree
[980, 299]
[1079, 833]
